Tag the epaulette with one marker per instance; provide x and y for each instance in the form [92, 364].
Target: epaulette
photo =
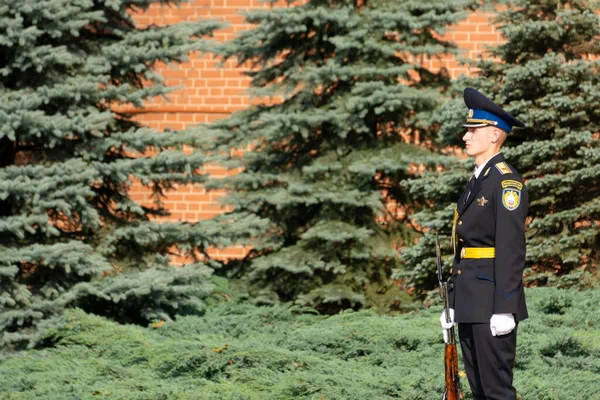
[503, 168]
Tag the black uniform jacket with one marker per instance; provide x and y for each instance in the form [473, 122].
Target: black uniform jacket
[493, 215]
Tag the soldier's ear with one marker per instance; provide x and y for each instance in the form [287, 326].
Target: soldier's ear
[498, 136]
[495, 135]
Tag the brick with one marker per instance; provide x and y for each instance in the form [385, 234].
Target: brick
[232, 92]
[209, 73]
[485, 37]
[234, 73]
[220, 11]
[181, 206]
[198, 198]
[175, 215]
[464, 28]
[480, 18]
[193, 206]
[186, 117]
[216, 82]
[239, 3]
[485, 28]
[189, 216]
[460, 37]
[216, 100]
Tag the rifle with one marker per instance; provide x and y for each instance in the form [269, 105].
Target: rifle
[452, 380]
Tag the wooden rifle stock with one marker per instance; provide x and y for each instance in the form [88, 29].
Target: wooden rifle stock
[451, 377]
[452, 390]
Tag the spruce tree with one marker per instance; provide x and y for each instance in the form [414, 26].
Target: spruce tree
[323, 160]
[70, 235]
[546, 73]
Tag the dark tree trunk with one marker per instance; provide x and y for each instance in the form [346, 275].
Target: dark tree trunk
[7, 157]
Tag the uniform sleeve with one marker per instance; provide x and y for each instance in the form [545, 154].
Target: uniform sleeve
[511, 203]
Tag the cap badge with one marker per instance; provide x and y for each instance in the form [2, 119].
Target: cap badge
[471, 112]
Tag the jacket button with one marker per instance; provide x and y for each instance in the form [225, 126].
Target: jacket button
[460, 222]
[459, 272]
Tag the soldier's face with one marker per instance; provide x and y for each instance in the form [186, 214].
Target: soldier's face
[479, 141]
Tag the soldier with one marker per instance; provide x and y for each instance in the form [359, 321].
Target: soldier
[486, 289]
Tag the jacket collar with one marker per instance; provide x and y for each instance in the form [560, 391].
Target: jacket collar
[477, 185]
[492, 161]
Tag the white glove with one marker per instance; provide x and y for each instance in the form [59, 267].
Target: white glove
[447, 325]
[502, 324]
[445, 334]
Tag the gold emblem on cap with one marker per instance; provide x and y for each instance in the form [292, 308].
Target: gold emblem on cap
[471, 112]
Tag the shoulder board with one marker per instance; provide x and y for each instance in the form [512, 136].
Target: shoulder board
[512, 184]
[503, 168]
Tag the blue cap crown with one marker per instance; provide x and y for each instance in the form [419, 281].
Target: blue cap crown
[484, 112]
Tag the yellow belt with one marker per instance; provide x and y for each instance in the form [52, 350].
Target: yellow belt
[477, 252]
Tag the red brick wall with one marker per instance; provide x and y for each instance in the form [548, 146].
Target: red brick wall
[209, 93]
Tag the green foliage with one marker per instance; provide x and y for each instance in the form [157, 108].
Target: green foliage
[547, 75]
[239, 351]
[325, 158]
[68, 154]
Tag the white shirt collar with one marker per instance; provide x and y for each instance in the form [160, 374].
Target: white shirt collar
[479, 168]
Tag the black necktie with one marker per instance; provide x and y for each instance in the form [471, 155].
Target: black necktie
[470, 187]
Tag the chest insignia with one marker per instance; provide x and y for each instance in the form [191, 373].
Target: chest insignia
[503, 168]
[481, 201]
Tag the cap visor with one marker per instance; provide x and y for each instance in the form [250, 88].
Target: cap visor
[473, 125]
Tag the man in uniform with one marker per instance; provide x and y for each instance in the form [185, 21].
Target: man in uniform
[486, 289]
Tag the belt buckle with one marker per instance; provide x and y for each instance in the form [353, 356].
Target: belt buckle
[463, 252]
